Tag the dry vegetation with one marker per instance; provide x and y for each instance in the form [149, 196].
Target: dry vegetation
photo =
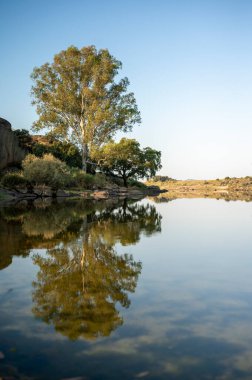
[227, 188]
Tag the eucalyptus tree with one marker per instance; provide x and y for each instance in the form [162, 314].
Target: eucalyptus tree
[79, 99]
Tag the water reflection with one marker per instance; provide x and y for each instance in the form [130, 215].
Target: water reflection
[81, 280]
[190, 316]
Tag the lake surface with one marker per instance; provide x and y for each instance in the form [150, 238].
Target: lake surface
[126, 290]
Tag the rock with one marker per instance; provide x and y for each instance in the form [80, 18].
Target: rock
[100, 195]
[10, 151]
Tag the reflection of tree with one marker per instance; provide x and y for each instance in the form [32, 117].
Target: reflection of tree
[77, 289]
[43, 225]
[81, 280]
[128, 222]
[79, 283]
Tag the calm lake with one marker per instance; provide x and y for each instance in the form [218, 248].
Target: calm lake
[126, 290]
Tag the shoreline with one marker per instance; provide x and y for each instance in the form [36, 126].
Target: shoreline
[10, 197]
[227, 188]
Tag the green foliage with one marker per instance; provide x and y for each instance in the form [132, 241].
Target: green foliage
[77, 95]
[135, 183]
[161, 178]
[64, 151]
[126, 159]
[80, 179]
[100, 180]
[83, 180]
[47, 170]
[13, 180]
[24, 139]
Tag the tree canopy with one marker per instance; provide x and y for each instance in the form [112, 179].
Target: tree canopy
[78, 98]
[127, 160]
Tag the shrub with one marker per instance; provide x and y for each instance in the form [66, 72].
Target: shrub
[134, 183]
[161, 178]
[48, 171]
[13, 180]
[114, 179]
[81, 179]
[100, 180]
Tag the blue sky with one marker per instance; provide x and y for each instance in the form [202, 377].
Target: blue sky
[189, 64]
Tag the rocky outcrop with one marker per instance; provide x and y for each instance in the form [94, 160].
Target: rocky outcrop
[10, 151]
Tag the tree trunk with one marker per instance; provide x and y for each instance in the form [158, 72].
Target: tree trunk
[125, 181]
[84, 157]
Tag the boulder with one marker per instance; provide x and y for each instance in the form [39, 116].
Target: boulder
[10, 151]
[100, 195]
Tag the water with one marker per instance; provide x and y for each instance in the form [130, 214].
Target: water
[126, 290]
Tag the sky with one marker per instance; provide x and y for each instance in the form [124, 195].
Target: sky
[189, 64]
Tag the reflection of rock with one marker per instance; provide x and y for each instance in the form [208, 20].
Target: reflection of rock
[12, 242]
[10, 151]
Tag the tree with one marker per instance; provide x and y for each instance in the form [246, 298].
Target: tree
[127, 160]
[79, 100]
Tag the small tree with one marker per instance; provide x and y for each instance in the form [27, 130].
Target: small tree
[24, 139]
[48, 171]
[127, 160]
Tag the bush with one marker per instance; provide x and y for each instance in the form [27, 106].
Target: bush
[81, 179]
[115, 180]
[48, 171]
[161, 178]
[100, 180]
[13, 180]
[134, 183]
[86, 181]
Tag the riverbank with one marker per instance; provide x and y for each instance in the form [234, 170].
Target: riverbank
[227, 188]
[15, 195]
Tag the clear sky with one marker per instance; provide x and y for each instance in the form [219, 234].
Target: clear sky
[189, 63]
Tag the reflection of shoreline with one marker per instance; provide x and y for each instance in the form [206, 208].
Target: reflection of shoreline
[226, 188]
[194, 194]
